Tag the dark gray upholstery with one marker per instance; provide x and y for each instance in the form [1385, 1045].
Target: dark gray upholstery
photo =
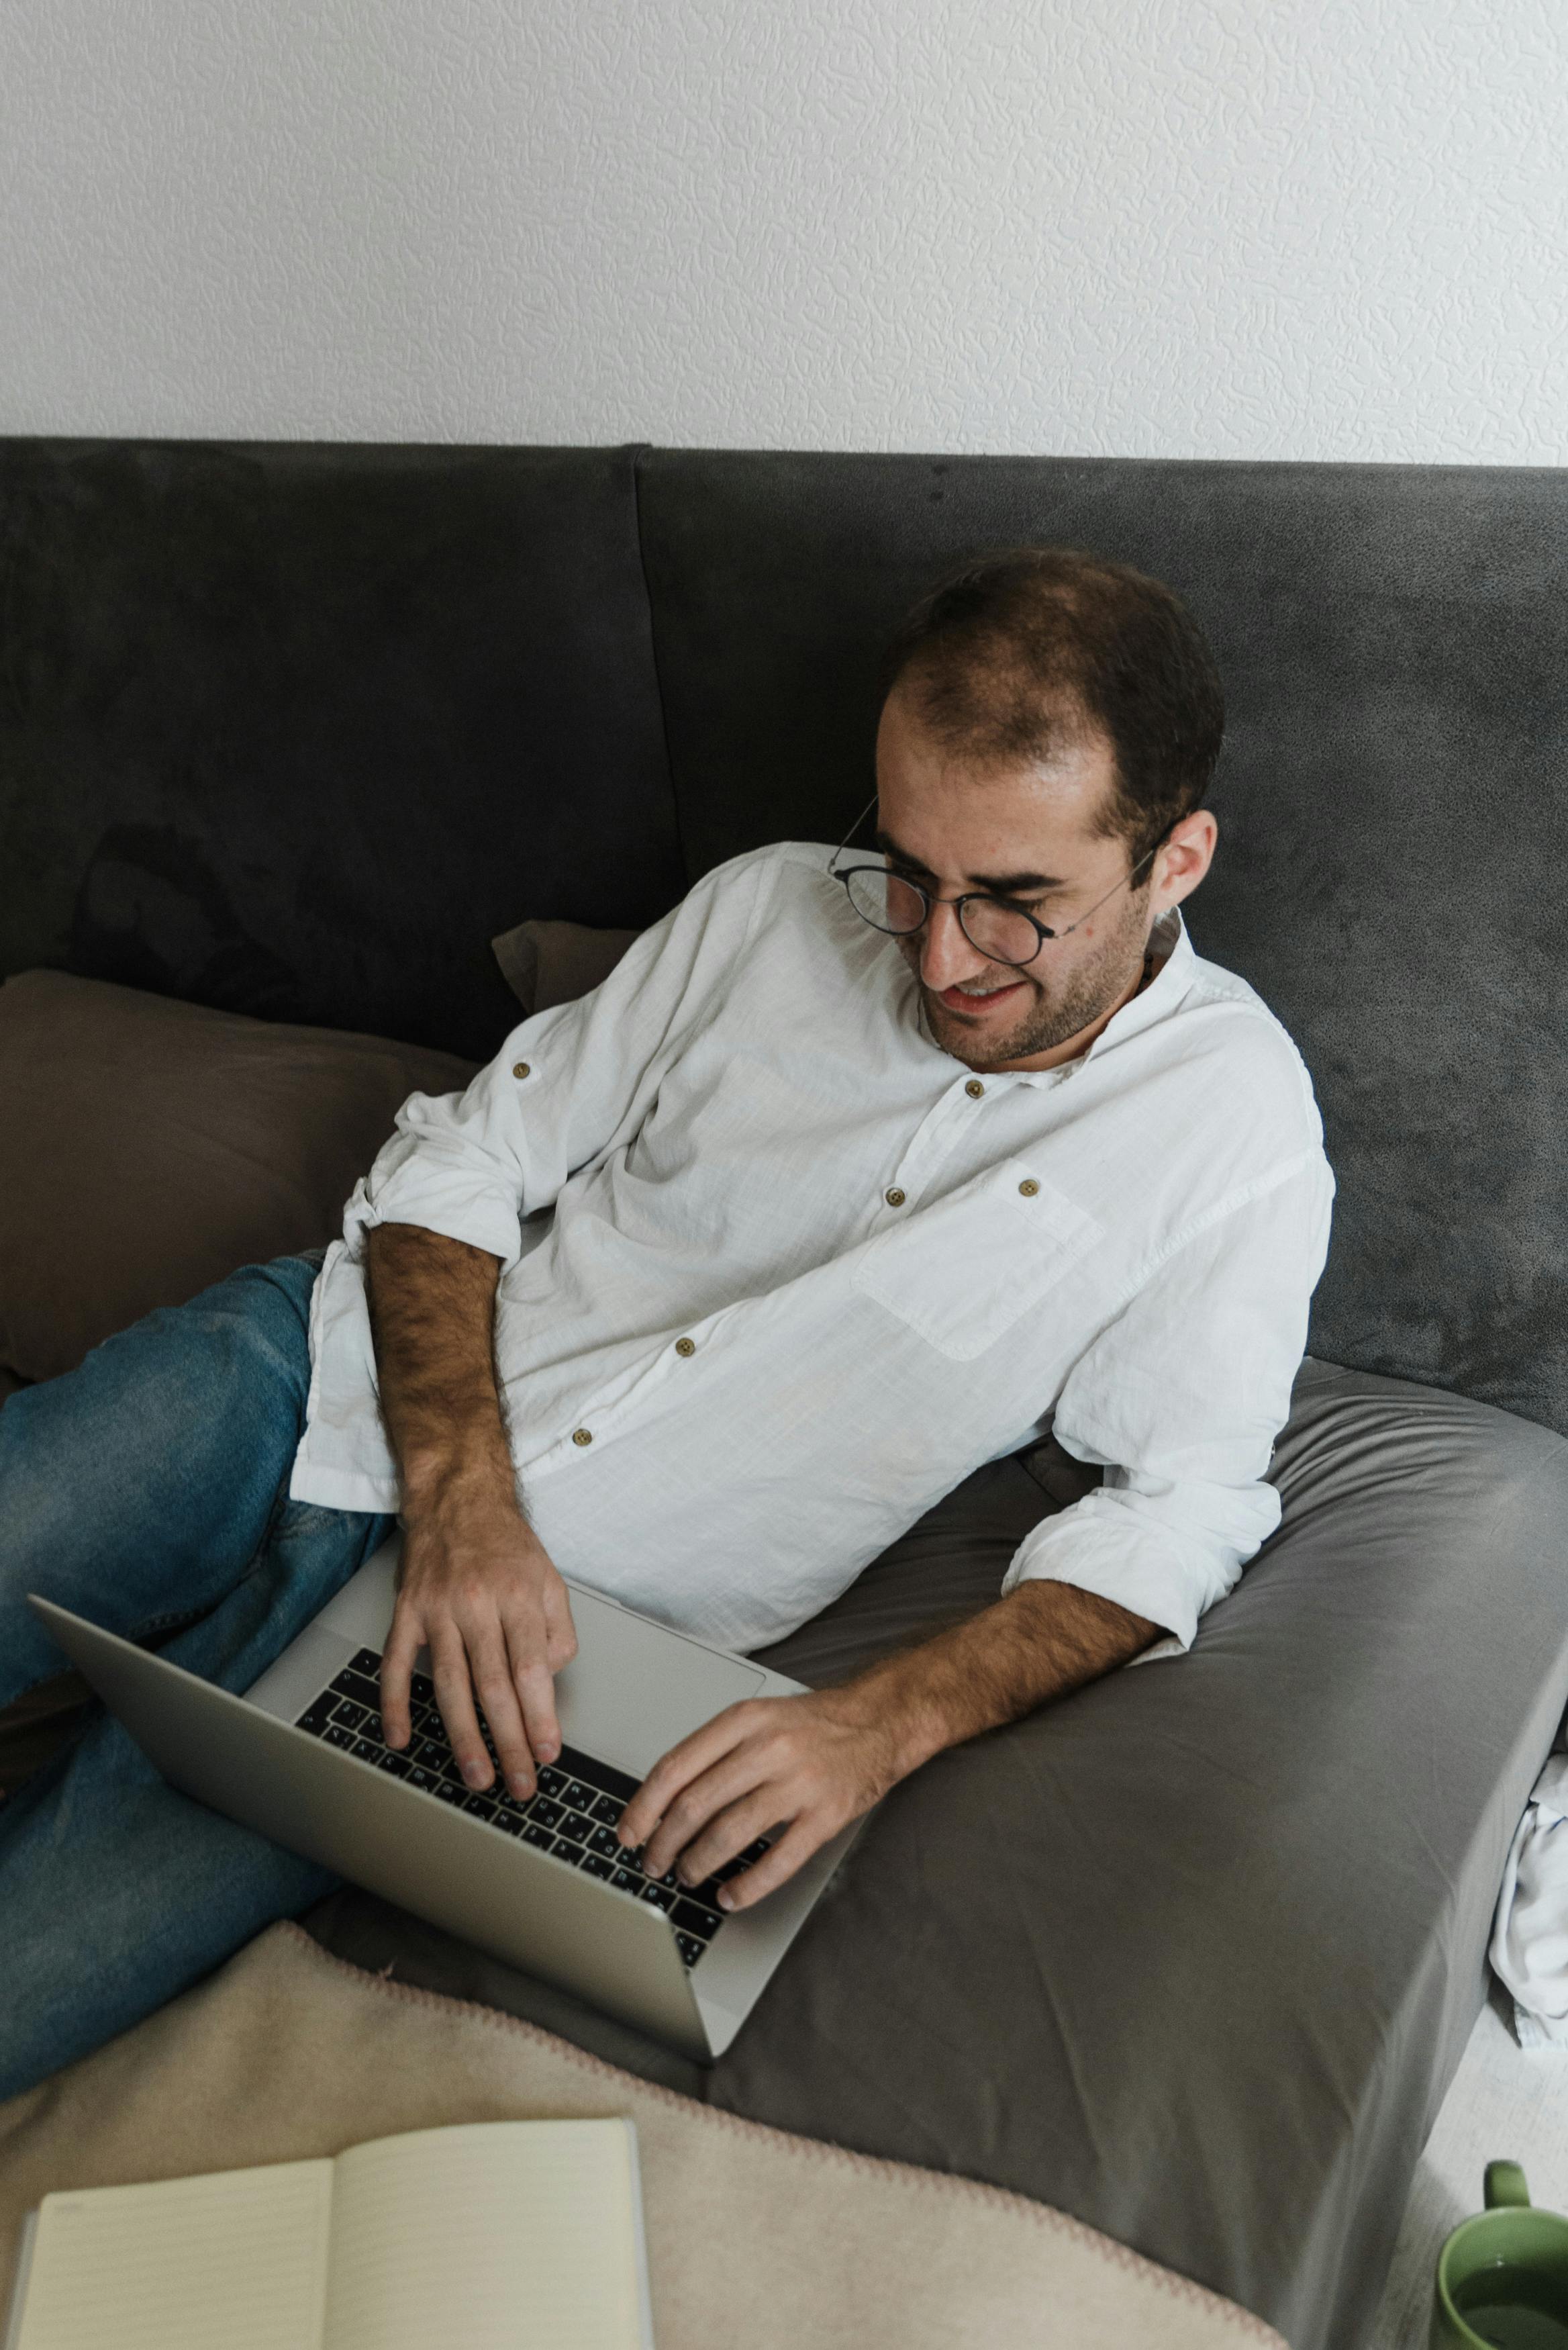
[1194, 1954]
[1394, 641]
[296, 730]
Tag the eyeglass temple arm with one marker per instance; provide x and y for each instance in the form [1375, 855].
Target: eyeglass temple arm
[854, 828]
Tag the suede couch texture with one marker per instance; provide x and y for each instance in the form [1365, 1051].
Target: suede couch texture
[296, 730]
[291, 731]
[1394, 645]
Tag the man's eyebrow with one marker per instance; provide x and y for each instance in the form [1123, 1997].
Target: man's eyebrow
[1001, 885]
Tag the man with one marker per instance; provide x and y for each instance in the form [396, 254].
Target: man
[856, 1174]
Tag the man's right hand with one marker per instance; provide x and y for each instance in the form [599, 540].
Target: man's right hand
[478, 1589]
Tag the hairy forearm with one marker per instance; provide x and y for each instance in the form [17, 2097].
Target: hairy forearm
[1042, 1640]
[805, 1766]
[476, 1589]
[433, 1318]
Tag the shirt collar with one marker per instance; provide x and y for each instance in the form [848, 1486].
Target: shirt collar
[1174, 958]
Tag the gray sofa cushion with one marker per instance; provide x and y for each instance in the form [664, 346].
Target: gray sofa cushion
[1393, 829]
[1193, 1954]
[294, 729]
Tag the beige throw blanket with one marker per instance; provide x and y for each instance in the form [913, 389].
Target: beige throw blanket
[757, 2241]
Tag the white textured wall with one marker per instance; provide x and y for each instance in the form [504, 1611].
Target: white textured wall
[1330, 228]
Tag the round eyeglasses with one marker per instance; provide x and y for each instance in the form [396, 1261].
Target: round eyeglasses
[998, 928]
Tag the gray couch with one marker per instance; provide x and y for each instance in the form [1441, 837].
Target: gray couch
[293, 732]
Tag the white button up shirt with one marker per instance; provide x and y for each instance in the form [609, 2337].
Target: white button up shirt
[777, 1271]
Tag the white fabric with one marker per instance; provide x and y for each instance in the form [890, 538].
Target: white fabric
[704, 1150]
[1530, 1938]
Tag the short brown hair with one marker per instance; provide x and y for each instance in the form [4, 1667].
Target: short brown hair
[1020, 651]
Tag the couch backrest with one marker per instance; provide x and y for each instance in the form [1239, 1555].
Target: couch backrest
[1393, 797]
[295, 729]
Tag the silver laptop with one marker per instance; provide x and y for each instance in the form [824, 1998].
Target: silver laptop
[542, 1884]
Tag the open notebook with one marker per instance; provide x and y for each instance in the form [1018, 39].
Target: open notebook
[496, 2235]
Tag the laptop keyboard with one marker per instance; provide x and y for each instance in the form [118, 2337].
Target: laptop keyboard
[573, 1815]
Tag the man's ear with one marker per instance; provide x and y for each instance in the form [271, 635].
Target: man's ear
[1184, 858]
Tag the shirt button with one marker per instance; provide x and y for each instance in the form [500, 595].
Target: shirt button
[520, 1068]
[1029, 1187]
[582, 1436]
[686, 1346]
[974, 1090]
[895, 1198]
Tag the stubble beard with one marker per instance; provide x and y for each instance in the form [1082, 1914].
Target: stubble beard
[1054, 1016]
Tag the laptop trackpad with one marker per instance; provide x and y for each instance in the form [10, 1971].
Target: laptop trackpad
[634, 1690]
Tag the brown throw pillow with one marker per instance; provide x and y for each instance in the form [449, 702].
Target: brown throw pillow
[149, 1146]
[547, 964]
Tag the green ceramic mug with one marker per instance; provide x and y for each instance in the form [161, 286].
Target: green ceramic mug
[1503, 2277]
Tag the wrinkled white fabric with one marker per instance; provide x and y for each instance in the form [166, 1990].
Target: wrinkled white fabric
[778, 1273]
[1530, 1938]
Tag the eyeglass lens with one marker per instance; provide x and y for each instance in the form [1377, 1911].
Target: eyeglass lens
[891, 903]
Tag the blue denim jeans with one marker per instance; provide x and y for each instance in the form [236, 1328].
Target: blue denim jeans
[148, 1488]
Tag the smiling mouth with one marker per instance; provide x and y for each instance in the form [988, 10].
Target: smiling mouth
[955, 999]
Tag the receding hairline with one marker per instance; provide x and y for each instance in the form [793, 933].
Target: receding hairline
[1021, 653]
[1028, 654]
[981, 763]
[1066, 720]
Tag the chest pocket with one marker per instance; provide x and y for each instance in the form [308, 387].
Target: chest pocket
[962, 1272]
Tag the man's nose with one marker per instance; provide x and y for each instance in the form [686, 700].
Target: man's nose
[947, 958]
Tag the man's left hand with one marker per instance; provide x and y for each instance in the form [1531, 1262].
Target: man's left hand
[806, 1764]
[811, 1764]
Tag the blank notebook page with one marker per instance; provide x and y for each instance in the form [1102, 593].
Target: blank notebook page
[495, 2236]
[233, 2261]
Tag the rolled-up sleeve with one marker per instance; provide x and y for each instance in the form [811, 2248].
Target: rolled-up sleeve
[1179, 1399]
[567, 1085]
